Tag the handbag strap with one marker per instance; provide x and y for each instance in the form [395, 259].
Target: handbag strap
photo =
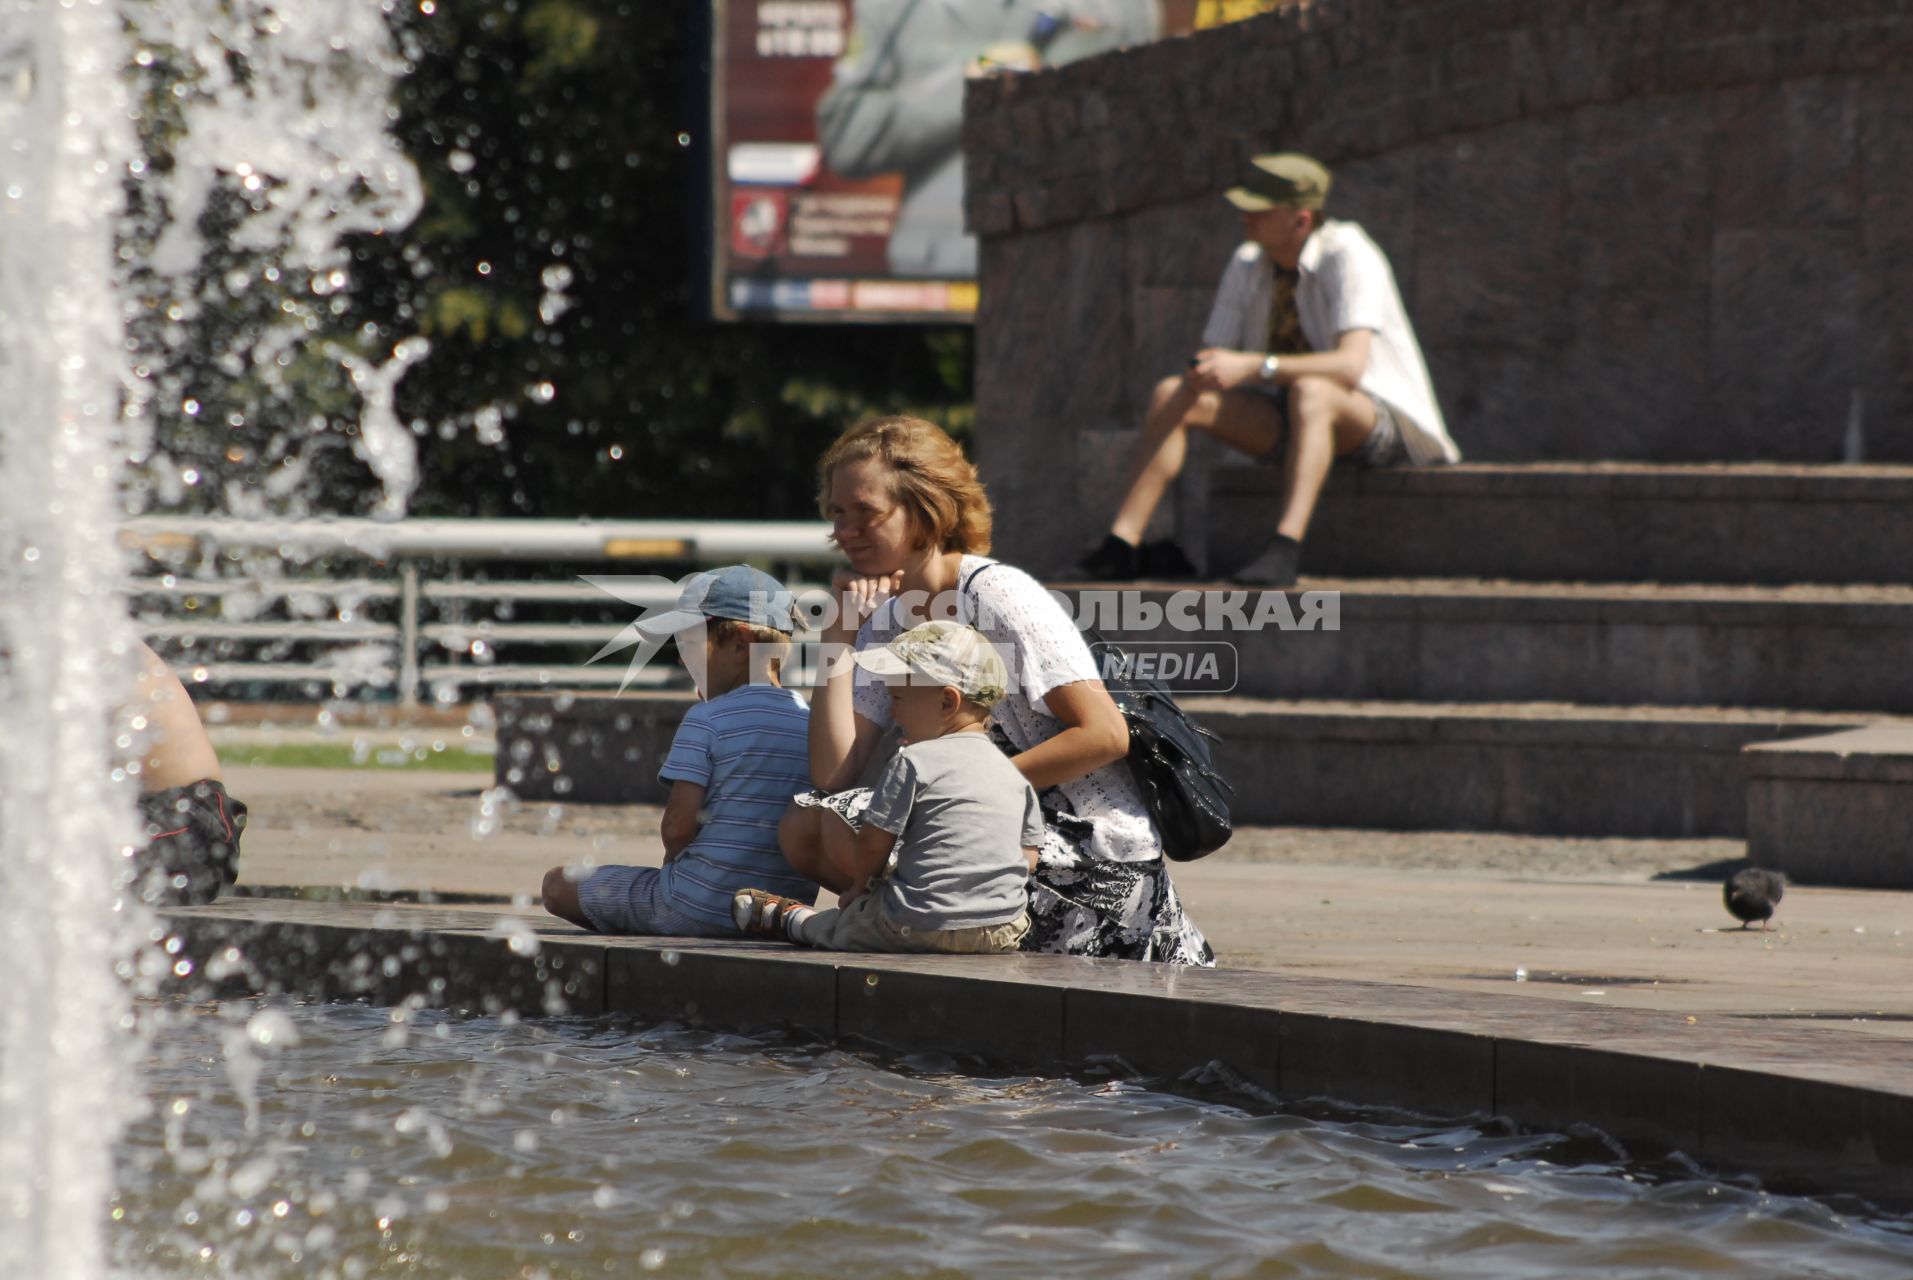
[966, 591]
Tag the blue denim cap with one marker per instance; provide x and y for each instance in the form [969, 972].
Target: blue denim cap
[738, 592]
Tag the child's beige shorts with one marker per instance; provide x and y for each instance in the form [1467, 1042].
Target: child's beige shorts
[862, 926]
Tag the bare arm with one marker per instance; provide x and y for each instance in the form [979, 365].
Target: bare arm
[1218, 370]
[1094, 734]
[841, 740]
[1029, 856]
[177, 752]
[873, 852]
[682, 818]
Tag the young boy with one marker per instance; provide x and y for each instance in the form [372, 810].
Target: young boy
[736, 760]
[962, 821]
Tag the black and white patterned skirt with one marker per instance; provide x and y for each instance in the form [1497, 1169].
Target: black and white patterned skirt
[848, 805]
[1082, 905]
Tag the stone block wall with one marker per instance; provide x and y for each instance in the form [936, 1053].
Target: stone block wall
[1625, 229]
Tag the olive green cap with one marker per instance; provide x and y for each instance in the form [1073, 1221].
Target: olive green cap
[1286, 179]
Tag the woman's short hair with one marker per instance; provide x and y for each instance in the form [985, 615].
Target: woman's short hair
[931, 479]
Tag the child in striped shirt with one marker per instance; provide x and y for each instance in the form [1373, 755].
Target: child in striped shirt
[736, 761]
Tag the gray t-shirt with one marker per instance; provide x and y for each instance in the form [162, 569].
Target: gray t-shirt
[962, 815]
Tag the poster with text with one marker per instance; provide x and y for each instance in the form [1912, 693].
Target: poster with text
[837, 168]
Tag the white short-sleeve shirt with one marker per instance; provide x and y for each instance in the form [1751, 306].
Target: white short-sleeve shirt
[1344, 283]
[1043, 650]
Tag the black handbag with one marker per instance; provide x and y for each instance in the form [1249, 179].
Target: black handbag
[1171, 760]
[1169, 756]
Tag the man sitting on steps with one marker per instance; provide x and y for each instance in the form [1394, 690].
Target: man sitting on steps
[1308, 357]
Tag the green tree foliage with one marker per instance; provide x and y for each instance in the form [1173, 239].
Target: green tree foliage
[552, 271]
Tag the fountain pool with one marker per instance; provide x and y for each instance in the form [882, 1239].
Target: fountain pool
[363, 1141]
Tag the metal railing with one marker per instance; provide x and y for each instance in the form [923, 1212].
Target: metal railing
[390, 604]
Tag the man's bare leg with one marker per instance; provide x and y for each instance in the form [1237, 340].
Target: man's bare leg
[1327, 420]
[1159, 453]
[1244, 420]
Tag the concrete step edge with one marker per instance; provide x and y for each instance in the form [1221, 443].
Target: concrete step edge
[1468, 589]
[1745, 482]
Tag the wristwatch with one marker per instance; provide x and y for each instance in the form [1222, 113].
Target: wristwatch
[1269, 365]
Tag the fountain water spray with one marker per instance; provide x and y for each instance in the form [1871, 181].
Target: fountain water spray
[286, 102]
[64, 139]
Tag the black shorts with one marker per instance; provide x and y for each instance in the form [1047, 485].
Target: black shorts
[192, 844]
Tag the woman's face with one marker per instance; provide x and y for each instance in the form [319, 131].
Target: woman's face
[870, 525]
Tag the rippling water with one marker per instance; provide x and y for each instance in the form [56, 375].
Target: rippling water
[334, 1140]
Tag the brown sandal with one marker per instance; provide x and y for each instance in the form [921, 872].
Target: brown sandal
[760, 913]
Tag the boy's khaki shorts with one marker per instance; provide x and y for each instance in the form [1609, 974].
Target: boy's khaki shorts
[862, 926]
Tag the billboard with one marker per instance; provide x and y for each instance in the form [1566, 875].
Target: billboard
[837, 172]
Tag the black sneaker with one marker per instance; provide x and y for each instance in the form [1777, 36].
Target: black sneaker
[1163, 560]
[1113, 561]
[1275, 567]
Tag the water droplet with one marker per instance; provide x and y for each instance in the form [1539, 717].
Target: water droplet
[271, 1027]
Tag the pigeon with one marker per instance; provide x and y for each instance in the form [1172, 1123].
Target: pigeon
[1751, 895]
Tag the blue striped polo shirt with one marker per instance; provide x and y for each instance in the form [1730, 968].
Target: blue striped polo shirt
[750, 751]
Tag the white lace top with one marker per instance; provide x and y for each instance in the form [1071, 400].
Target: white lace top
[1043, 650]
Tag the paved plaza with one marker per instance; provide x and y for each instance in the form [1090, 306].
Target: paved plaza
[1609, 923]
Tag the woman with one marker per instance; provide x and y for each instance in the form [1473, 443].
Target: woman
[907, 509]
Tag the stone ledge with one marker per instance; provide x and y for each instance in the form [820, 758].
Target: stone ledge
[1393, 73]
[1874, 753]
[1748, 481]
[1828, 649]
[1549, 768]
[1834, 809]
[1810, 1109]
[1565, 771]
[1613, 522]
